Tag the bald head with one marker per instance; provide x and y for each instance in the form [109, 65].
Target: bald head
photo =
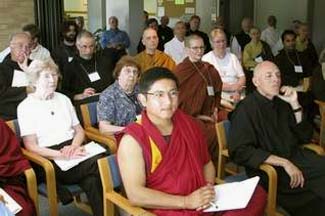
[20, 46]
[150, 40]
[267, 79]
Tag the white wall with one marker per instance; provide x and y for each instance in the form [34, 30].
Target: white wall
[318, 25]
[285, 11]
[96, 14]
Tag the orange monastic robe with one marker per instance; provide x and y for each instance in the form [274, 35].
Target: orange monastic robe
[159, 59]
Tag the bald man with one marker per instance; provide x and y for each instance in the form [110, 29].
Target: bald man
[268, 127]
[151, 56]
[13, 81]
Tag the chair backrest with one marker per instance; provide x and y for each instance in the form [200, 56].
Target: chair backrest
[14, 126]
[109, 173]
[89, 114]
[223, 130]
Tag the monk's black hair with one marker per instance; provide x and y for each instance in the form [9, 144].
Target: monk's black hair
[149, 77]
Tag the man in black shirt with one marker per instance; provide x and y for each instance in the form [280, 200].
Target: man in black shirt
[14, 85]
[243, 37]
[89, 72]
[165, 32]
[268, 127]
[67, 50]
[194, 29]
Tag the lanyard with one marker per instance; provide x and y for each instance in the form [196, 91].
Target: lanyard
[290, 60]
[203, 77]
[85, 70]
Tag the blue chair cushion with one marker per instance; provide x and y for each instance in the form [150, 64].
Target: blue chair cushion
[115, 172]
[92, 108]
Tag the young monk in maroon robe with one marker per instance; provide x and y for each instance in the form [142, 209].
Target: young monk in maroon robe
[200, 90]
[163, 157]
[12, 166]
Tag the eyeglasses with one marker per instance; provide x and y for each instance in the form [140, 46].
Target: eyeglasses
[161, 94]
[19, 46]
[197, 48]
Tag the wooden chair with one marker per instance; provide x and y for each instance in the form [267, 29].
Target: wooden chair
[223, 129]
[89, 117]
[321, 105]
[48, 189]
[306, 84]
[111, 179]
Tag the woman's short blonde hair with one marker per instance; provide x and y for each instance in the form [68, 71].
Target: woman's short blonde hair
[37, 66]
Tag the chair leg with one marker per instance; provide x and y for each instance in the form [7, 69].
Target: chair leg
[82, 205]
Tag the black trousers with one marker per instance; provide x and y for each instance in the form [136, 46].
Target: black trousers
[86, 175]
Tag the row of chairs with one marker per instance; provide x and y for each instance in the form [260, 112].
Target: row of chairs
[110, 175]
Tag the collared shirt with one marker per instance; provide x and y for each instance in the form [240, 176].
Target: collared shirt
[117, 107]
[115, 37]
[176, 50]
[40, 53]
[271, 36]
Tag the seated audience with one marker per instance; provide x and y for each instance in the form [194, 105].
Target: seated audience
[178, 177]
[200, 90]
[50, 128]
[271, 35]
[14, 86]
[304, 44]
[228, 66]
[268, 127]
[165, 32]
[118, 104]
[175, 48]
[194, 26]
[151, 56]
[13, 164]
[90, 72]
[67, 50]
[151, 23]
[255, 52]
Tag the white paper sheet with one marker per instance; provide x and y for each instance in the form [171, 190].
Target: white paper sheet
[19, 79]
[10, 203]
[189, 10]
[234, 195]
[160, 11]
[91, 148]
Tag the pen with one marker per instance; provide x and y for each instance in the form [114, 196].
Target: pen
[213, 205]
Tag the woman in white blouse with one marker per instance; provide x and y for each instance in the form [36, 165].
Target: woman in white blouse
[228, 66]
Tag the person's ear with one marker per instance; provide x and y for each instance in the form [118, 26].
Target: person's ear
[255, 81]
[143, 99]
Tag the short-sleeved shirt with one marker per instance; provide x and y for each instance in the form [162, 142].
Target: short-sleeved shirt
[52, 120]
[117, 107]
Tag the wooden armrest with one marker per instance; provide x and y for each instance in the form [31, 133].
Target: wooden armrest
[108, 141]
[272, 188]
[320, 103]
[50, 176]
[124, 204]
[32, 187]
[315, 148]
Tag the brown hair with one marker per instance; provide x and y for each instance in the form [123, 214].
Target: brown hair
[125, 61]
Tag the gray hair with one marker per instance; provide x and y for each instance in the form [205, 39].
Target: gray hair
[37, 66]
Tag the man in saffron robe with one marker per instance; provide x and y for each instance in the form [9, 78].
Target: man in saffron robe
[200, 90]
[12, 166]
[163, 157]
[151, 56]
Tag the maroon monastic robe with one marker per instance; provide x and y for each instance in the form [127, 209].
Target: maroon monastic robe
[12, 166]
[179, 170]
[194, 99]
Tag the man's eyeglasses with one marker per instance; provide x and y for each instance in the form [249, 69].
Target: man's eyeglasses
[162, 94]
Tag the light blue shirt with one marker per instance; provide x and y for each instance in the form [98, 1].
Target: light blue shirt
[115, 37]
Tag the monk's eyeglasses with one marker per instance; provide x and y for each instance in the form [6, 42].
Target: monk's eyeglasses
[197, 48]
[161, 94]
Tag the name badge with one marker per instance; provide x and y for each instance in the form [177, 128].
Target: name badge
[70, 59]
[210, 90]
[94, 76]
[323, 70]
[259, 59]
[298, 69]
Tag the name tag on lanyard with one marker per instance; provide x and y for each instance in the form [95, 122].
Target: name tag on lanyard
[259, 59]
[298, 69]
[70, 59]
[210, 90]
[94, 76]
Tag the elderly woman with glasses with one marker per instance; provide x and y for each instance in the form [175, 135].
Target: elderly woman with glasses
[50, 128]
[228, 66]
[118, 104]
